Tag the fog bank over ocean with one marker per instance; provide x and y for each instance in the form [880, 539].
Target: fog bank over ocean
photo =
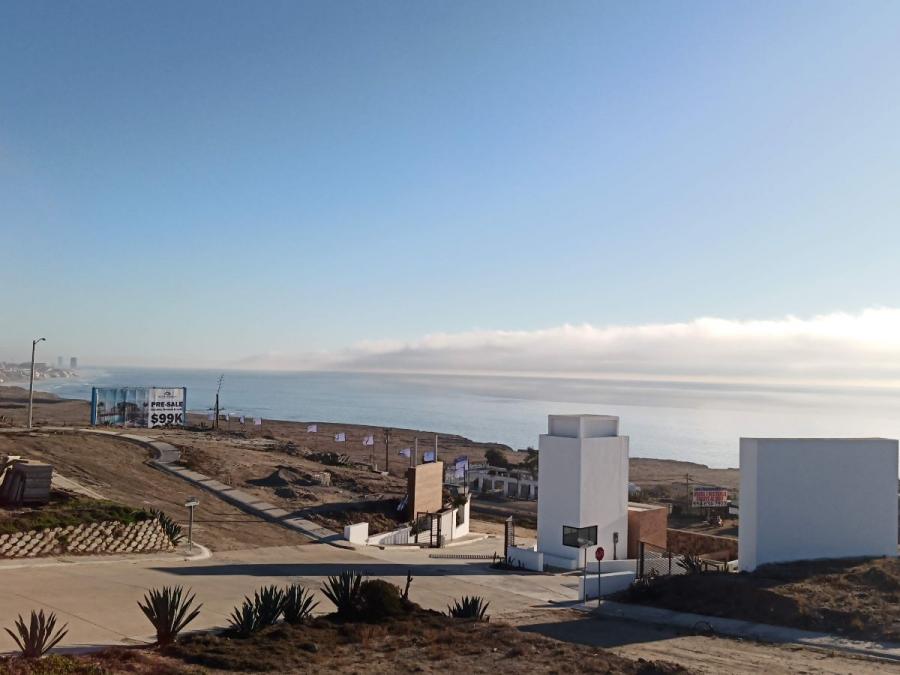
[690, 421]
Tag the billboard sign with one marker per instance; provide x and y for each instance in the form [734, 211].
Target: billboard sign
[167, 406]
[138, 406]
[710, 496]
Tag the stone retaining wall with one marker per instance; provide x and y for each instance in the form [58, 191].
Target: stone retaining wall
[93, 538]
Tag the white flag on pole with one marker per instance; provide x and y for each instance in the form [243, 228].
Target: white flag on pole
[369, 440]
[341, 437]
[242, 419]
[257, 421]
[211, 416]
[312, 428]
[405, 452]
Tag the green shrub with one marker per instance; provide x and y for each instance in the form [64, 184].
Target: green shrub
[298, 604]
[268, 603]
[39, 636]
[72, 512]
[379, 599]
[243, 620]
[169, 611]
[473, 607]
[692, 564]
[645, 588]
[173, 530]
[344, 591]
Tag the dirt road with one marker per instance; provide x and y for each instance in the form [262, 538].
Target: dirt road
[700, 654]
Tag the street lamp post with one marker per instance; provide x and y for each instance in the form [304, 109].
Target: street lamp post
[31, 382]
[191, 504]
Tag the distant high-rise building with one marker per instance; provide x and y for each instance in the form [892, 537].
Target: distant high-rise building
[59, 362]
[73, 362]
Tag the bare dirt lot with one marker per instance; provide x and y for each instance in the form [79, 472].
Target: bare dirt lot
[856, 598]
[118, 470]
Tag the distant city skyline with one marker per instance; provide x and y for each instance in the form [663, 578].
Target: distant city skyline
[633, 189]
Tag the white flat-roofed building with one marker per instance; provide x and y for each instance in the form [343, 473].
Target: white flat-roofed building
[807, 498]
[582, 483]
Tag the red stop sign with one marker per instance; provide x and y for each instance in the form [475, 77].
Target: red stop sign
[599, 553]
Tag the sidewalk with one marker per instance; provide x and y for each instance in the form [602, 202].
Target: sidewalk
[744, 629]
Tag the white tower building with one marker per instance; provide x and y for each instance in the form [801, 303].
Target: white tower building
[582, 483]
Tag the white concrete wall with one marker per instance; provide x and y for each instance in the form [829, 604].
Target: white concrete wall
[582, 481]
[607, 566]
[817, 498]
[397, 537]
[604, 584]
[463, 529]
[357, 533]
[527, 558]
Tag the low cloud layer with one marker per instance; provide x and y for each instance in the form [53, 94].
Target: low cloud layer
[862, 348]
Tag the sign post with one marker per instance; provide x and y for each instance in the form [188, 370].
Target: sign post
[191, 504]
[581, 538]
[598, 554]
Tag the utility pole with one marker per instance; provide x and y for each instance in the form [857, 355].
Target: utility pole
[218, 389]
[31, 381]
[387, 445]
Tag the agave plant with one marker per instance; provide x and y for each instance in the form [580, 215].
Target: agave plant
[343, 591]
[244, 619]
[691, 564]
[298, 604]
[268, 602]
[169, 610]
[172, 529]
[469, 608]
[38, 637]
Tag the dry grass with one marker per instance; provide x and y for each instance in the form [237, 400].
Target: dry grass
[422, 642]
[118, 660]
[857, 598]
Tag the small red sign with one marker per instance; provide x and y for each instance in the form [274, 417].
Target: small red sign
[599, 553]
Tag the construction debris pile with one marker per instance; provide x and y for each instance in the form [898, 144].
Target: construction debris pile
[24, 482]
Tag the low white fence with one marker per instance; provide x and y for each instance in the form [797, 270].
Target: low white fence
[526, 558]
[393, 538]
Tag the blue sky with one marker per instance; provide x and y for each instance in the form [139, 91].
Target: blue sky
[210, 182]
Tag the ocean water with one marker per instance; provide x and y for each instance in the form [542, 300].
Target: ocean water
[693, 422]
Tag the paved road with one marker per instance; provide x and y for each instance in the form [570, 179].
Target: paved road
[99, 600]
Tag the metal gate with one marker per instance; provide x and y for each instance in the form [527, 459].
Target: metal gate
[434, 531]
[430, 523]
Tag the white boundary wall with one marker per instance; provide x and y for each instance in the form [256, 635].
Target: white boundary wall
[813, 498]
[358, 533]
[526, 558]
